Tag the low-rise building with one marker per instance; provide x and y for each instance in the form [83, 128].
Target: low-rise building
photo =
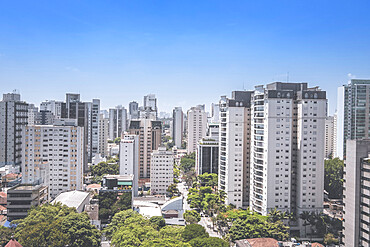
[74, 199]
[22, 197]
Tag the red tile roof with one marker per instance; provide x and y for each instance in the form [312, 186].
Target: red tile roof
[2, 208]
[13, 243]
[258, 242]
[317, 245]
[3, 194]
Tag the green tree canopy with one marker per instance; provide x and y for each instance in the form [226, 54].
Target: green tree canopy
[257, 227]
[191, 216]
[208, 242]
[333, 182]
[194, 231]
[208, 179]
[56, 225]
[5, 235]
[158, 221]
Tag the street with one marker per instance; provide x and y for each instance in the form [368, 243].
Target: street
[206, 222]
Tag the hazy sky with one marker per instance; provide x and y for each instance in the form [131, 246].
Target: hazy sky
[186, 52]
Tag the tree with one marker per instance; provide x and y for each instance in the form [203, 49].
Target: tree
[305, 215]
[192, 216]
[329, 239]
[103, 168]
[255, 226]
[187, 163]
[208, 179]
[333, 182]
[194, 231]
[117, 140]
[158, 221]
[56, 225]
[173, 190]
[5, 235]
[208, 242]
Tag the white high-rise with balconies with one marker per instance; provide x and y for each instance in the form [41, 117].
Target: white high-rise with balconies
[287, 148]
[331, 137]
[234, 148]
[53, 154]
[129, 158]
[196, 127]
[103, 135]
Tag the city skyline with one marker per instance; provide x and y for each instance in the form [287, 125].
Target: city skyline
[122, 51]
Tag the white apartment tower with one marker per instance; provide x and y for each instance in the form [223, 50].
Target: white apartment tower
[129, 158]
[54, 154]
[13, 118]
[161, 171]
[330, 137]
[103, 135]
[117, 122]
[234, 147]
[287, 148]
[356, 221]
[177, 126]
[197, 126]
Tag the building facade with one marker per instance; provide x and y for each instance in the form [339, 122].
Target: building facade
[177, 126]
[150, 138]
[287, 148]
[161, 171]
[13, 118]
[331, 137]
[353, 119]
[117, 122]
[207, 156]
[22, 197]
[197, 124]
[53, 155]
[234, 147]
[103, 135]
[134, 110]
[129, 158]
[356, 221]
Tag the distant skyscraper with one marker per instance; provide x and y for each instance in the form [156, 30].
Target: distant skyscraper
[117, 122]
[215, 113]
[61, 165]
[134, 110]
[330, 137]
[57, 108]
[149, 132]
[151, 101]
[356, 223]
[103, 135]
[13, 118]
[197, 123]
[177, 126]
[353, 119]
[129, 158]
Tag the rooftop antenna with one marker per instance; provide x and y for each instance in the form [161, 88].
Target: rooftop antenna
[243, 86]
[287, 77]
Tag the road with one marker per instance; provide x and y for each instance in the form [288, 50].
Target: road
[206, 222]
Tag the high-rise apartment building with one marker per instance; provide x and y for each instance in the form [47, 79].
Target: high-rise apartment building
[177, 126]
[129, 158]
[117, 122]
[215, 113]
[287, 148]
[13, 118]
[150, 138]
[161, 171]
[103, 135]
[330, 137]
[134, 110]
[53, 154]
[197, 124]
[234, 147]
[356, 221]
[57, 108]
[353, 119]
[151, 101]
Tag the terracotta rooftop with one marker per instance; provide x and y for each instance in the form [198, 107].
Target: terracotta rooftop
[13, 243]
[317, 245]
[3, 194]
[92, 186]
[2, 208]
[257, 242]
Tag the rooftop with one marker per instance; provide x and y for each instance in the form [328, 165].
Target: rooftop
[72, 198]
[28, 187]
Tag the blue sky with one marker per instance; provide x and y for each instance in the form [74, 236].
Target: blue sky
[186, 52]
